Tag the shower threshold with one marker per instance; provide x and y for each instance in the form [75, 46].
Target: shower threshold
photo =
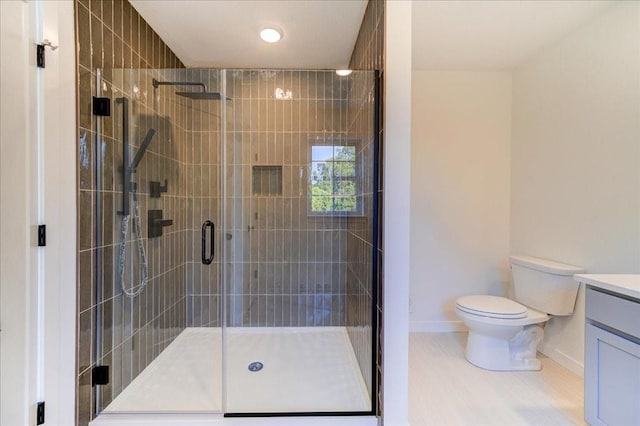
[304, 369]
[170, 419]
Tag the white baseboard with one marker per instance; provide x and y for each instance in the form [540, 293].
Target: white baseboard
[563, 359]
[436, 326]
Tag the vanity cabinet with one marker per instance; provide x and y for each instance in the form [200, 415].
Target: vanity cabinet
[612, 359]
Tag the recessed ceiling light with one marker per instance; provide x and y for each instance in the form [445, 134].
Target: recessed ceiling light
[270, 35]
[343, 73]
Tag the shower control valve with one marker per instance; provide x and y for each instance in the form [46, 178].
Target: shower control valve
[156, 223]
[156, 189]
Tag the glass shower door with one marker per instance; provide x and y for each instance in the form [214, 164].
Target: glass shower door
[156, 319]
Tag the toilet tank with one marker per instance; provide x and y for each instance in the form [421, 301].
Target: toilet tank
[545, 285]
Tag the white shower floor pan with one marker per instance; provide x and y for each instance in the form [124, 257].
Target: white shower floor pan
[306, 369]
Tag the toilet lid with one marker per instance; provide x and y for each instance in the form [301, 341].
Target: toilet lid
[492, 306]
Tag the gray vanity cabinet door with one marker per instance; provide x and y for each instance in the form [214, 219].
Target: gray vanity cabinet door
[612, 379]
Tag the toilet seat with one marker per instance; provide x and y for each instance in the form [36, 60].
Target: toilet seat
[491, 307]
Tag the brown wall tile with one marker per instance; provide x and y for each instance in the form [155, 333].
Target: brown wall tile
[368, 54]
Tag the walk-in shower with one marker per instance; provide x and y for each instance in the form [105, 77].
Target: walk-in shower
[246, 277]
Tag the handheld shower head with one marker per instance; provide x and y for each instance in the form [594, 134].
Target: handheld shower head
[143, 148]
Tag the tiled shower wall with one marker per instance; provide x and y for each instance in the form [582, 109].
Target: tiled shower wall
[359, 235]
[287, 266]
[368, 54]
[204, 189]
[110, 35]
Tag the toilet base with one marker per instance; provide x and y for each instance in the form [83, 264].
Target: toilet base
[503, 354]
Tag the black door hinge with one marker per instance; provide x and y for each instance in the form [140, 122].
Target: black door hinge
[40, 413]
[100, 375]
[42, 235]
[40, 55]
[101, 106]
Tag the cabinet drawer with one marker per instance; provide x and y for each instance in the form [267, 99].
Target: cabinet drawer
[615, 312]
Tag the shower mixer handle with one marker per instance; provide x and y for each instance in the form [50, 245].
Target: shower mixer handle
[156, 189]
[156, 223]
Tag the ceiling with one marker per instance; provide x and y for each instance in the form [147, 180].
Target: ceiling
[318, 34]
[491, 35]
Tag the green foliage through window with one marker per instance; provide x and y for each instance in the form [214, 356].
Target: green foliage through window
[333, 179]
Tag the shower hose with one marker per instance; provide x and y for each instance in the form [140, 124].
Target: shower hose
[137, 231]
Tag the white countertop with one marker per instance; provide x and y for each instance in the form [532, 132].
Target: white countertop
[625, 284]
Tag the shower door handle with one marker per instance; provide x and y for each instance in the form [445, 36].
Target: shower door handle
[208, 224]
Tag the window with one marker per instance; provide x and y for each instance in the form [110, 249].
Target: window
[333, 180]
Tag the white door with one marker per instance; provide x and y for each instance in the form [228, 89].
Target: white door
[37, 182]
[16, 269]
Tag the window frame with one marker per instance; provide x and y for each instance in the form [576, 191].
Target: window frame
[336, 141]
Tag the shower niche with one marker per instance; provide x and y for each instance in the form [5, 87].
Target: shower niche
[267, 180]
[212, 259]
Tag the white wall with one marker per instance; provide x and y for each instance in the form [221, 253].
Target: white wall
[397, 178]
[57, 188]
[460, 167]
[575, 192]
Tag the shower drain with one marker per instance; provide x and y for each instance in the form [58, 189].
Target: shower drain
[255, 366]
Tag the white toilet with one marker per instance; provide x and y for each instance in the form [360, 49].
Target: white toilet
[504, 334]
